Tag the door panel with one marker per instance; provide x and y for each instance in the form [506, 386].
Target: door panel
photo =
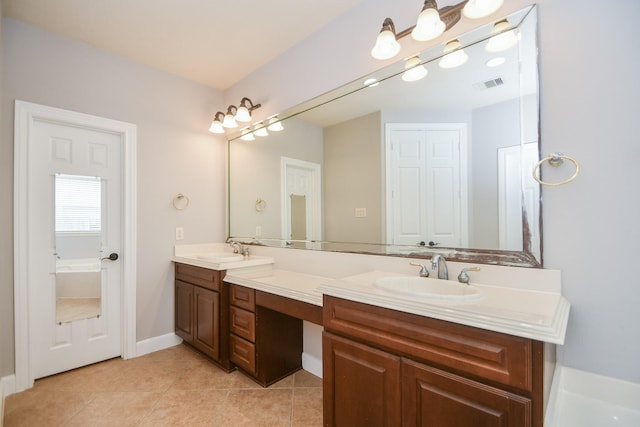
[59, 344]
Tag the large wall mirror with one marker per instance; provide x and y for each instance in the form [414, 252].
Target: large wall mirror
[409, 168]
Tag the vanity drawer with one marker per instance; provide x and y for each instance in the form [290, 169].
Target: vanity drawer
[243, 353]
[204, 277]
[242, 297]
[242, 323]
[498, 358]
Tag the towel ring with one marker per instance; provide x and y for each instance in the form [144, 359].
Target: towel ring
[180, 202]
[261, 204]
[556, 159]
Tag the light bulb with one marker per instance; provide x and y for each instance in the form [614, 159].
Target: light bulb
[475, 9]
[275, 125]
[454, 57]
[229, 121]
[260, 130]
[414, 70]
[243, 115]
[386, 45]
[504, 38]
[429, 25]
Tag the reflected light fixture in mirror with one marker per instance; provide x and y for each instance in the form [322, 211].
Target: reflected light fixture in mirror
[260, 130]
[247, 135]
[414, 70]
[454, 56]
[275, 125]
[504, 38]
[371, 82]
[431, 23]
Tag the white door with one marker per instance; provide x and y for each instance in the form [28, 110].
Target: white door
[301, 200]
[426, 178]
[93, 157]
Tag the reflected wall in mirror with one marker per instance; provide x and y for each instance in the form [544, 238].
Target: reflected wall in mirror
[78, 228]
[441, 164]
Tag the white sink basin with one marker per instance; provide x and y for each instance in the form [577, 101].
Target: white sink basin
[220, 257]
[425, 287]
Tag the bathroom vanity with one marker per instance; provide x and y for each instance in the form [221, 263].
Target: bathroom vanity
[387, 358]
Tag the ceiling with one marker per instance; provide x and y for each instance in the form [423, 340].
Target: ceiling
[212, 42]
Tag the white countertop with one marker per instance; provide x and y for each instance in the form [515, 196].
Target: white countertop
[252, 261]
[531, 314]
[298, 286]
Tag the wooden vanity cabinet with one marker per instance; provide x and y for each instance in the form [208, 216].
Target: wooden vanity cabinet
[264, 343]
[389, 368]
[201, 318]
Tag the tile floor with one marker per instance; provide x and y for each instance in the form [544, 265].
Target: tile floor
[172, 387]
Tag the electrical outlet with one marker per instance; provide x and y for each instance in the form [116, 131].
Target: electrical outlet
[179, 233]
[361, 212]
[258, 231]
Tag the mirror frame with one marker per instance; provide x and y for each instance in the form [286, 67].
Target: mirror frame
[523, 258]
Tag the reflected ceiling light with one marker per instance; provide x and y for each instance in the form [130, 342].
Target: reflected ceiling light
[414, 70]
[386, 44]
[475, 9]
[495, 62]
[260, 130]
[454, 56]
[247, 135]
[216, 124]
[229, 120]
[275, 125]
[429, 25]
[503, 39]
[371, 82]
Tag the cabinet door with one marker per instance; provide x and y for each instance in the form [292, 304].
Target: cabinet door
[207, 321]
[431, 397]
[184, 310]
[361, 385]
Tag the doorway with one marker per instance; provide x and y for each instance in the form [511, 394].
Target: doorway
[426, 181]
[301, 202]
[74, 226]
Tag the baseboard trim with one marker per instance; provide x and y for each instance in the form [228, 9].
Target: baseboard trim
[312, 364]
[157, 343]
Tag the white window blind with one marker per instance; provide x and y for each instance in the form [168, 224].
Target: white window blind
[78, 204]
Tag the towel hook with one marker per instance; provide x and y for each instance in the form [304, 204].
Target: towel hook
[556, 159]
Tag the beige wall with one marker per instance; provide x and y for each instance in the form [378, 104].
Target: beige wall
[175, 154]
[353, 179]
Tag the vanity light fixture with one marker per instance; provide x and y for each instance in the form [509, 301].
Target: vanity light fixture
[386, 44]
[454, 56]
[247, 135]
[503, 39]
[431, 23]
[260, 130]
[414, 70]
[216, 124]
[275, 125]
[475, 9]
[222, 121]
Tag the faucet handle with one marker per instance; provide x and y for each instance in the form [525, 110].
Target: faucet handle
[424, 271]
[463, 277]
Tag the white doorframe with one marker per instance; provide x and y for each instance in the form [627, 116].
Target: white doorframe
[25, 115]
[315, 214]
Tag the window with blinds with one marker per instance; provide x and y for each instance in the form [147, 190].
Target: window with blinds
[78, 204]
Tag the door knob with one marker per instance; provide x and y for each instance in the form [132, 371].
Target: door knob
[112, 257]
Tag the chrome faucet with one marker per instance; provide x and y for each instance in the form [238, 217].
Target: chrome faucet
[439, 263]
[424, 271]
[238, 248]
